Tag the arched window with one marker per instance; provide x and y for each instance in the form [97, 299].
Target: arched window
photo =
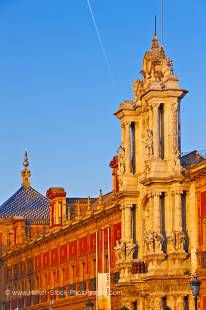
[161, 130]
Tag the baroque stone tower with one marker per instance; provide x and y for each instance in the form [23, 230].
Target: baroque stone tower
[153, 190]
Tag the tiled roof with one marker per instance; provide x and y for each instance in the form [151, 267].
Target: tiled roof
[192, 158]
[28, 203]
[72, 204]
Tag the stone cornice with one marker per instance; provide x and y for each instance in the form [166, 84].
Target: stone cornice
[126, 113]
[166, 93]
[169, 179]
[127, 194]
[47, 237]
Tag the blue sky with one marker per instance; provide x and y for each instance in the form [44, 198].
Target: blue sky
[57, 96]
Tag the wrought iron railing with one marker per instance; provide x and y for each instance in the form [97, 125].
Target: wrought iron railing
[139, 267]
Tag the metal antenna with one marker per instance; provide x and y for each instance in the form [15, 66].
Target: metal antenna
[162, 21]
[155, 33]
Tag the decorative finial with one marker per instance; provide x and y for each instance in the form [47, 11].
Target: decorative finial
[78, 210]
[25, 172]
[155, 43]
[89, 211]
[100, 200]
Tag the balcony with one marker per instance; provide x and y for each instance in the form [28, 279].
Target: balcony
[139, 267]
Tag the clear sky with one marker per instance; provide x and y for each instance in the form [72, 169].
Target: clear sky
[57, 96]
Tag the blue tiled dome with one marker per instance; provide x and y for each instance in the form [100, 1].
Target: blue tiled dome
[28, 203]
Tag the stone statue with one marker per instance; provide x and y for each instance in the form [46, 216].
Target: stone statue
[130, 248]
[171, 242]
[120, 250]
[121, 159]
[149, 243]
[149, 143]
[180, 240]
[159, 239]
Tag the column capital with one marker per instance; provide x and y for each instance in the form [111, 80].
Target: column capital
[150, 195]
[177, 192]
[156, 105]
[156, 194]
[127, 123]
[126, 206]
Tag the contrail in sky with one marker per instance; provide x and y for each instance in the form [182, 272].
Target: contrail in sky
[100, 41]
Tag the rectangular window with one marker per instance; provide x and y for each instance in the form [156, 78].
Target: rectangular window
[186, 303]
[83, 271]
[162, 219]
[63, 276]
[132, 148]
[134, 234]
[45, 281]
[54, 279]
[203, 204]
[135, 305]
[30, 285]
[204, 302]
[106, 263]
[94, 268]
[161, 131]
[164, 302]
[37, 282]
[179, 128]
[73, 273]
[60, 212]
[184, 219]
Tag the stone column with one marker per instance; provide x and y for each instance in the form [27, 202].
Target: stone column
[64, 211]
[127, 223]
[157, 303]
[127, 148]
[150, 212]
[180, 305]
[156, 130]
[156, 212]
[146, 303]
[191, 302]
[122, 208]
[171, 302]
[51, 214]
[178, 211]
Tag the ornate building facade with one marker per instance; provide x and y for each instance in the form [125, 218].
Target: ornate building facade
[155, 216]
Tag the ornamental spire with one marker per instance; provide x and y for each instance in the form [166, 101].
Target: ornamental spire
[25, 172]
[155, 43]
